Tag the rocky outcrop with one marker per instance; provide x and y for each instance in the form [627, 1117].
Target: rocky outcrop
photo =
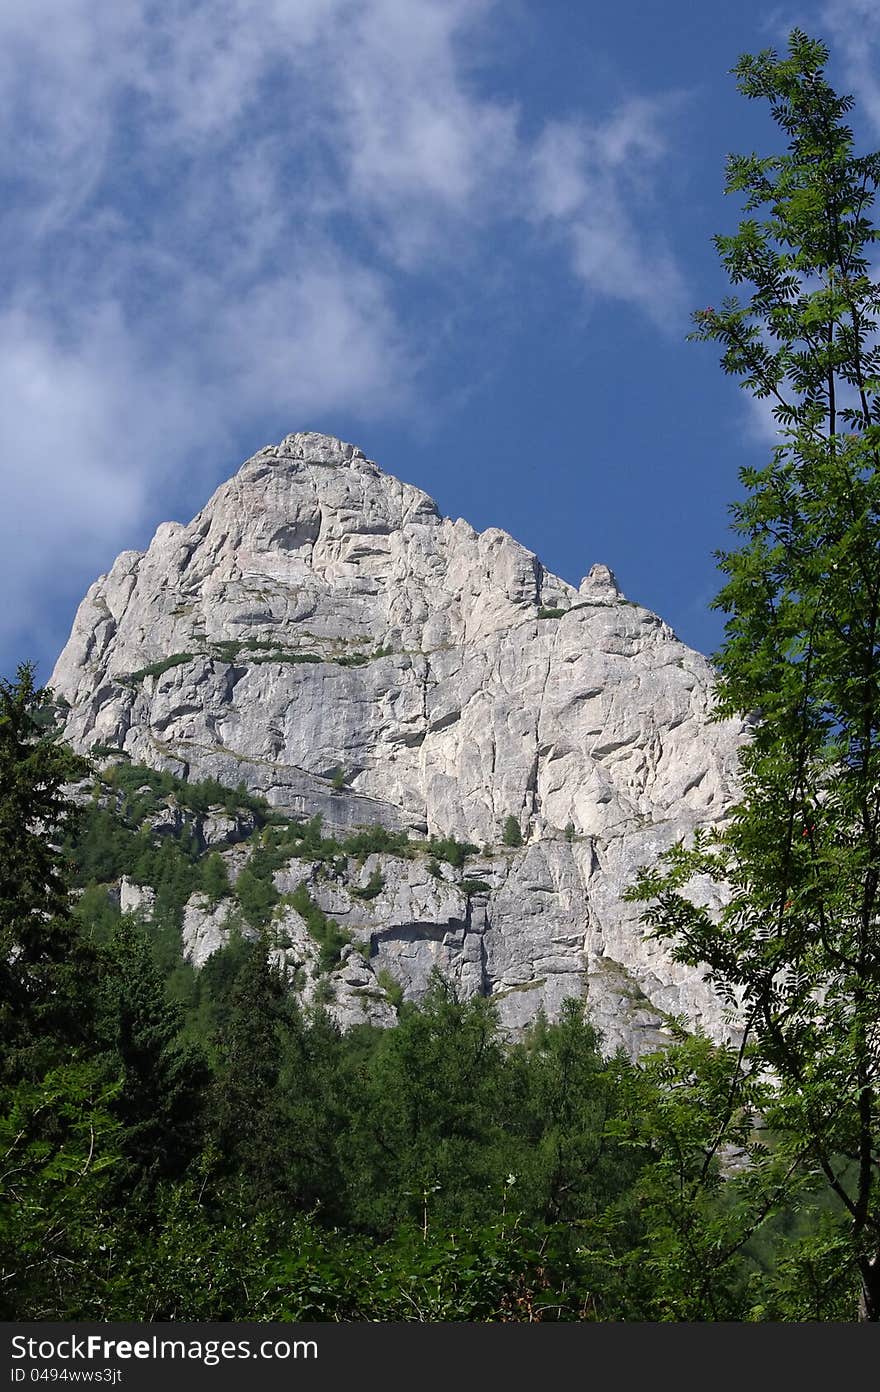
[320, 633]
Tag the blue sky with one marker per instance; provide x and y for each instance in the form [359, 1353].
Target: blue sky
[466, 235]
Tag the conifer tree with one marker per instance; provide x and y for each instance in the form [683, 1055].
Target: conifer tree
[248, 1114]
[41, 966]
[162, 1078]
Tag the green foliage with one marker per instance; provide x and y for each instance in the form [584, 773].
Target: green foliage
[453, 852]
[205, 996]
[256, 650]
[155, 669]
[487, 1272]
[551, 613]
[247, 1123]
[107, 751]
[96, 913]
[215, 878]
[569, 1097]
[43, 971]
[475, 886]
[162, 1079]
[230, 649]
[374, 886]
[269, 650]
[326, 931]
[293, 658]
[255, 889]
[34, 767]
[511, 834]
[376, 840]
[338, 781]
[428, 1131]
[815, 1278]
[796, 944]
[57, 1140]
[392, 988]
[145, 789]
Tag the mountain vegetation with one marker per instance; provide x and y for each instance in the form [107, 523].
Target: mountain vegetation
[206, 1144]
[193, 1145]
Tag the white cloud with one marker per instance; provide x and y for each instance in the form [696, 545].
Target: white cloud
[71, 472]
[761, 425]
[854, 31]
[218, 215]
[587, 182]
[97, 429]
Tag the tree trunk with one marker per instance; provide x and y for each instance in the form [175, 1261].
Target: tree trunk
[869, 1301]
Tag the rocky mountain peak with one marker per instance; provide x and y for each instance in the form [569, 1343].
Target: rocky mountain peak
[322, 634]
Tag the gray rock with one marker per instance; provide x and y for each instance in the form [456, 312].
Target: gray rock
[207, 927]
[321, 633]
[135, 898]
[220, 828]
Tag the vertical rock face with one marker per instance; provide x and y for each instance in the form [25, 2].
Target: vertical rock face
[322, 634]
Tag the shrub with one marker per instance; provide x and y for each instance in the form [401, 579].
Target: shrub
[455, 853]
[377, 840]
[511, 835]
[155, 669]
[392, 988]
[375, 884]
[326, 931]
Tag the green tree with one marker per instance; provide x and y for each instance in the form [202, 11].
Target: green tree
[797, 947]
[57, 1142]
[248, 1123]
[427, 1140]
[40, 966]
[511, 834]
[57, 1134]
[162, 1078]
[572, 1165]
[215, 878]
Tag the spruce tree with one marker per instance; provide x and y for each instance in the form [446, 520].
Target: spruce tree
[163, 1079]
[42, 968]
[248, 1114]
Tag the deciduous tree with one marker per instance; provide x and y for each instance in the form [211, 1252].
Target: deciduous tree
[797, 948]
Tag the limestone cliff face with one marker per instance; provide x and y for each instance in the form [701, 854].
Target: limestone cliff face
[320, 632]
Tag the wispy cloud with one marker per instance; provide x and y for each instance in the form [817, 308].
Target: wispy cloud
[854, 29]
[212, 217]
[586, 182]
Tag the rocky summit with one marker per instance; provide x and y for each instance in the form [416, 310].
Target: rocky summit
[321, 634]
